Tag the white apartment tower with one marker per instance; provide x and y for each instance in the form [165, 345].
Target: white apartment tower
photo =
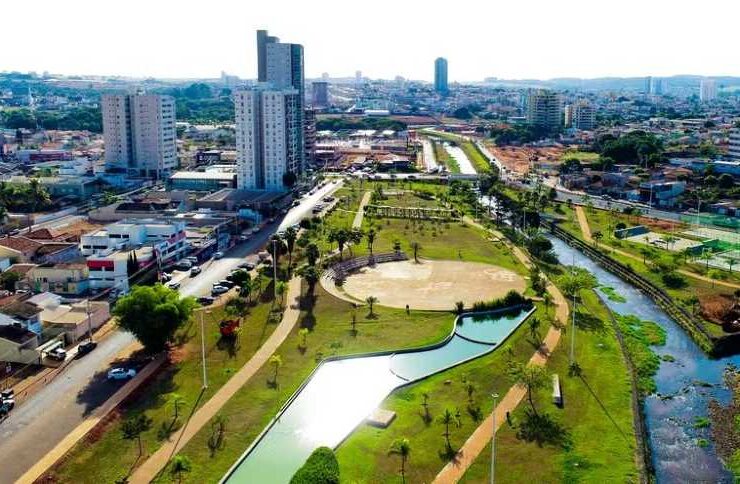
[269, 137]
[139, 134]
[734, 148]
[583, 115]
[544, 109]
[707, 90]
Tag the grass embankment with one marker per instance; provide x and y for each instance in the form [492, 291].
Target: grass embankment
[471, 150]
[443, 157]
[363, 457]
[251, 409]
[592, 439]
[105, 457]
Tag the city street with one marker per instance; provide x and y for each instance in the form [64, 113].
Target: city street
[39, 423]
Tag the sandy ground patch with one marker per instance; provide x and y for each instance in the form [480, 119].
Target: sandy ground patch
[432, 284]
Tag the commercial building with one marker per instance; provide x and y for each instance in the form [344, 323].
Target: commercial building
[166, 238]
[707, 90]
[269, 137]
[139, 134]
[544, 109]
[440, 75]
[320, 94]
[734, 148]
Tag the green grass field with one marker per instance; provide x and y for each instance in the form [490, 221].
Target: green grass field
[596, 417]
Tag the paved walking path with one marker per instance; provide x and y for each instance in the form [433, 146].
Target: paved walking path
[478, 440]
[157, 461]
[51, 458]
[357, 222]
[586, 231]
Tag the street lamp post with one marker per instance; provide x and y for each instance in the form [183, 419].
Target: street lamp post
[203, 346]
[274, 270]
[493, 440]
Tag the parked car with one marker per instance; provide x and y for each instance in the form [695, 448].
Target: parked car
[166, 277]
[183, 265]
[243, 238]
[59, 354]
[218, 255]
[7, 398]
[218, 290]
[192, 259]
[174, 285]
[246, 265]
[195, 270]
[224, 282]
[121, 373]
[85, 348]
[205, 300]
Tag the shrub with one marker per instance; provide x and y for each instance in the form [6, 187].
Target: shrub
[321, 467]
[512, 298]
[673, 280]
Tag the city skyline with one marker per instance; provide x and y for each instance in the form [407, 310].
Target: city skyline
[478, 46]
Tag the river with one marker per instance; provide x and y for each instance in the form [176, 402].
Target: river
[684, 387]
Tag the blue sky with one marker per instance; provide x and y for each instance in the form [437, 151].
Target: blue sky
[505, 39]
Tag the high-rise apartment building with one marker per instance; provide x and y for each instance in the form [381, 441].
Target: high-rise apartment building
[707, 90]
[657, 86]
[139, 134]
[544, 109]
[268, 140]
[440, 75]
[320, 94]
[583, 115]
[309, 131]
[734, 149]
[263, 39]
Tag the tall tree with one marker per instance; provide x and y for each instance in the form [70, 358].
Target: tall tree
[290, 237]
[401, 448]
[133, 427]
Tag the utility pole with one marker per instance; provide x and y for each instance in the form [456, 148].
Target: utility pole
[493, 440]
[573, 311]
[203, 346]
[89, 321]
[274, 270]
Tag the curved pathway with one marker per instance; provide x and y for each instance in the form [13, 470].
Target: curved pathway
[586, 231]
[357, 222]
[157, 461]
[478, 440]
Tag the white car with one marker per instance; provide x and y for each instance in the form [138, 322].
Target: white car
[218, 290]
[218, 255]
[121, 373]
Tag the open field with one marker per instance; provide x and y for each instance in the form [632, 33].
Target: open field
[432, 284]
[595, 423]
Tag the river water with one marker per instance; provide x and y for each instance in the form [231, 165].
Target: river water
[684, 387]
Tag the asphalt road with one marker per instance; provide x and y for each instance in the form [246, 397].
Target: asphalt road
[40, 422]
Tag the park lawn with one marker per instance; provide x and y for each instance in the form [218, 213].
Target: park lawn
[602, 437]
[105, 457]
[440, 240]
[363, 457]
[252, 408]
[406, 198]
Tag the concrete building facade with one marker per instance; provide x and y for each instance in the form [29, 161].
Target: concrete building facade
[320, 94]
[139, 134]
[544, 109]
[734, 148]
[707, 90]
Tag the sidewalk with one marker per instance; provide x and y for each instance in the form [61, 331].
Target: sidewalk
[157, 461]
[357, 222]
[454, 470]
[586, 231]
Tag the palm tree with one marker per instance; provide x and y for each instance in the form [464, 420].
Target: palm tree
[547, 299]
[312, 253]
[370, 240]
[290, 237]
[597, 236]
[276, 361]
[416, 247]
[532, 378]
[449, 418]
[177, 401]
[693, 301]
[340, 237]
[534, 328]
[311, 275]
[237, 307]
[133, 427]
[706, 255]
[401, 448]
[180, 465]
[670, 241]
[731, 261]
[371, 300]
[470, 389]
[280, 289]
